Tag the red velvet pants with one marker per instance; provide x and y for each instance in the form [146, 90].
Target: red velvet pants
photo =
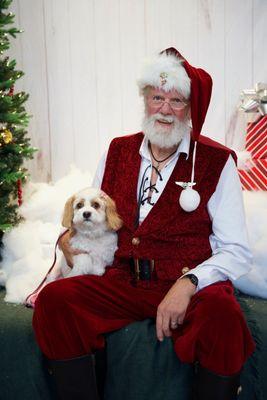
[71, 316]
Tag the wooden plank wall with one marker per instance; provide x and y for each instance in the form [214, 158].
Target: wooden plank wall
[81, 59]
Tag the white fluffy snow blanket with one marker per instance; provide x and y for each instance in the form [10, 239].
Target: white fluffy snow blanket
[29, 248]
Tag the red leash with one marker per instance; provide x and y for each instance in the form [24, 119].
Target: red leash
[26, 301]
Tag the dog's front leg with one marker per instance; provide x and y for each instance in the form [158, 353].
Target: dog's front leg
[84, 264]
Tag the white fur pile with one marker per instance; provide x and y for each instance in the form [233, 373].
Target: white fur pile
[29, 248]
[255, 282]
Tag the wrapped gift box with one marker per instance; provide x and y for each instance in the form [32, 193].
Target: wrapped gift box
[254, 175]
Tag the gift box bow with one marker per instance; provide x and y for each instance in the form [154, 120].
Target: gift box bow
[255, 100]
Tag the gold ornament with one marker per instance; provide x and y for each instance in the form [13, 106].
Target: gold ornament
[6, 135]
[163, 78]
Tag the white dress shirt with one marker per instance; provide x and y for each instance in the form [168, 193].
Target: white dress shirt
[231, 255]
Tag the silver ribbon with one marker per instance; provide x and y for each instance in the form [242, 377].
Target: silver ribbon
[255, 100]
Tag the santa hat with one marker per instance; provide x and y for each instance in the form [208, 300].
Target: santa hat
[165, 72]
[170, 70]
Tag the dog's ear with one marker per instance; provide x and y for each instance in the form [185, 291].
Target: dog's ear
[114, 221]
[68, 213]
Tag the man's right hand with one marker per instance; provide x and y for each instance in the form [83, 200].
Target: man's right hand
[67, 250]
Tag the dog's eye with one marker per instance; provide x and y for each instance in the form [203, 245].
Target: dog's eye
[96, 205]
[79, 205]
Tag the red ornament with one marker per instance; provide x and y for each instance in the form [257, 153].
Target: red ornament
[19, 191]
[11, 91]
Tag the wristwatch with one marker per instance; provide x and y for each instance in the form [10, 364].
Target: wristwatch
[193, 278]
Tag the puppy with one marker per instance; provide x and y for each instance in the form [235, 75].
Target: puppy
[92, 219]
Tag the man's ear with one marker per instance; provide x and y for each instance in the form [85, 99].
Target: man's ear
[114, 221]
[68, 213]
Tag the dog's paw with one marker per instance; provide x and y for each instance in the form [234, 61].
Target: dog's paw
[72, 273]
[99, 272]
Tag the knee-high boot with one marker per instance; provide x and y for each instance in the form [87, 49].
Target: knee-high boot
[74, 378]
[209, 386]
[101, 371]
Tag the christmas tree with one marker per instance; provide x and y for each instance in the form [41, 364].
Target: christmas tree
[14, 145]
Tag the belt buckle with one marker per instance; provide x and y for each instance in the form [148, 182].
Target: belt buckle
[138, 269]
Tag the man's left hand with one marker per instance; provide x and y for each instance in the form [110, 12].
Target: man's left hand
[172, 309]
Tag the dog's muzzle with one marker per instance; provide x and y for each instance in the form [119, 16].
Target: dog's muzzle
[142, 269]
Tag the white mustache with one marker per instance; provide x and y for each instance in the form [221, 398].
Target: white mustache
[163, 118]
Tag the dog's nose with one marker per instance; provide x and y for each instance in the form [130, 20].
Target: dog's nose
[86, 214]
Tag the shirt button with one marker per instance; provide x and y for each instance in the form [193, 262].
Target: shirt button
[185, 270]
[135, 241]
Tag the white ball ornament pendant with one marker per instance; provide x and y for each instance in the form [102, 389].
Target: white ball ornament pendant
[189, 199]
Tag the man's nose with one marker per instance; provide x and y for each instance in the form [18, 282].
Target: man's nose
[166, 108]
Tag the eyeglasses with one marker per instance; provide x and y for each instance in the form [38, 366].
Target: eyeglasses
[158, 101]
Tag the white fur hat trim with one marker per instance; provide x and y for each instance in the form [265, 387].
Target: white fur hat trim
[165, 72]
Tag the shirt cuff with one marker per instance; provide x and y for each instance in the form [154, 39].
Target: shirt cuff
[206, 276]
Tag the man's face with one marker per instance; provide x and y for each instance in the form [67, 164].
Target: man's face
[157, 101]
[166, 117]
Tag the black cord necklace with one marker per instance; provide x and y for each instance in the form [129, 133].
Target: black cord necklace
[160, 161]
[142, 190]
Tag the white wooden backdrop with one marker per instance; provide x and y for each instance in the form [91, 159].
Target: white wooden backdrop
[81, 59]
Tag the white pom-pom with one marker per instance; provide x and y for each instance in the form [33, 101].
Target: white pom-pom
[189, 199]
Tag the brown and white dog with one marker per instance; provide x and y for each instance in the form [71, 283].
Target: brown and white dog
[92, 219]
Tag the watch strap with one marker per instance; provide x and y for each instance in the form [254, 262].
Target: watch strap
[193, 278]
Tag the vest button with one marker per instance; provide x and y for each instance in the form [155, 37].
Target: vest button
[185, 270]
[135, 241]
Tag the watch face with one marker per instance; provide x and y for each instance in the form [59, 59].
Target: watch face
[193, 279]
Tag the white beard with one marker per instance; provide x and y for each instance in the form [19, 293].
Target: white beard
[164, 137]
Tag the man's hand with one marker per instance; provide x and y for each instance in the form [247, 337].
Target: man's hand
[68, 251]
[172, 309]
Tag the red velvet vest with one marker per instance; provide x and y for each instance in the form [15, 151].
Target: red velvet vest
[171, 236]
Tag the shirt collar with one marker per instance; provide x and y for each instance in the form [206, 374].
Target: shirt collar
[182, 148]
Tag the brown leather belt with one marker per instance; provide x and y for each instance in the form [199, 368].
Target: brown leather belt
[143, 269]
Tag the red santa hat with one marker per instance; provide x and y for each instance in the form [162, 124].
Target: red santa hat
[170, 70]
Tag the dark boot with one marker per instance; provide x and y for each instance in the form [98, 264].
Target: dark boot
[101, 371]
[209, 386]
[74, 378]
